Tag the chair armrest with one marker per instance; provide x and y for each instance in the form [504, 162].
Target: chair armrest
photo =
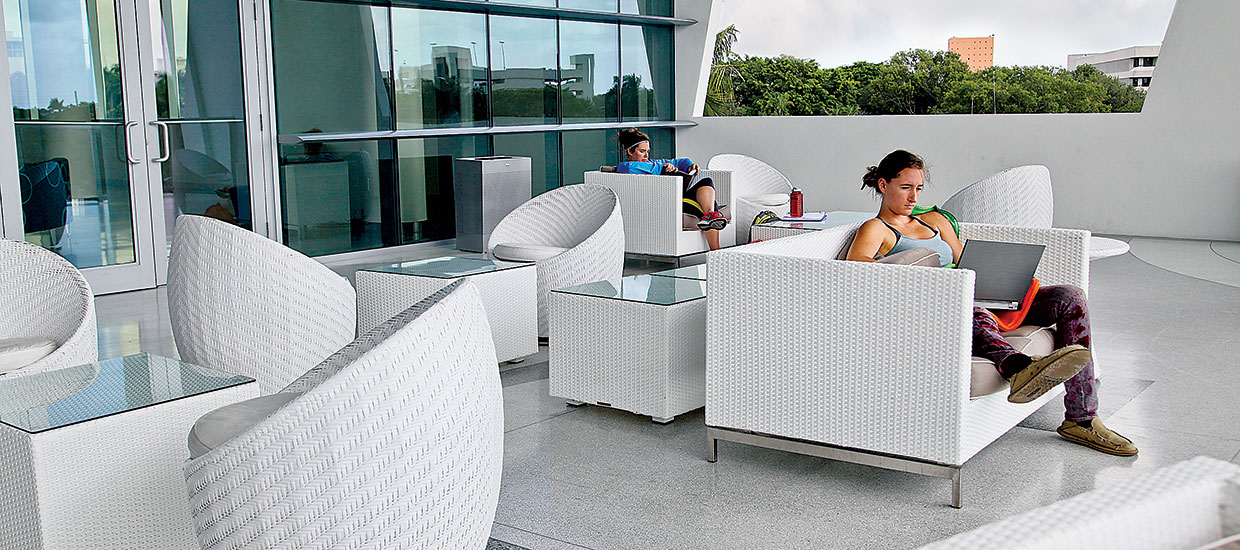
[1066, 260]
[854, 354]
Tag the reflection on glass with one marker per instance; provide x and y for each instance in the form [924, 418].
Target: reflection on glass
[330, 196]
[441, 68]
[647, 64]
[331, 65]
[206, 174]
[198, 69]
[589, 71]
[64, 63]
[427, 207]
[75, 191]
[543, 148]
[643, 288]
[447, 267]
[610, 6]
[647, 7]
[544, 3]
[523, 70]
[586, 150]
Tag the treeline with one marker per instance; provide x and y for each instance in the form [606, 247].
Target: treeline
[916, 82]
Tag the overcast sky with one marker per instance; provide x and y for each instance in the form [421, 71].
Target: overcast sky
[1027, 32]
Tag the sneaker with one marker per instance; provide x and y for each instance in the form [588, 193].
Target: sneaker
[1097, 437]
[712, 220]
[1044, 373]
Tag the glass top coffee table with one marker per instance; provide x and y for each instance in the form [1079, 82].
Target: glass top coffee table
[508, 289]
[688, 272]
[649, 289]
[775, 230]
[92, 454]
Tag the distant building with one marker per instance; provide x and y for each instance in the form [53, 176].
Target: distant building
[978, 53]
[1133, 65]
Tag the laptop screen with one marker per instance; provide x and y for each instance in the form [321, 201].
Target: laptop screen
[1003, 270]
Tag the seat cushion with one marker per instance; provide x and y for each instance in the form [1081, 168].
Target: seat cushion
[770, 199]
[16, 353]
[218, 426]
[1029, 340]
[525, 252]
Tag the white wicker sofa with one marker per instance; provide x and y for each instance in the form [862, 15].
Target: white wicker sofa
[867, 363]
[653, 221]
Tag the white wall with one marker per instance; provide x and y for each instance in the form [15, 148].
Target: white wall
[1172, 170]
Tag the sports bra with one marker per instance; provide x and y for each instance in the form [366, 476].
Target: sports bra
[935, 242]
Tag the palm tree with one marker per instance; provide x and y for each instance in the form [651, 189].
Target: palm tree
[720, 96]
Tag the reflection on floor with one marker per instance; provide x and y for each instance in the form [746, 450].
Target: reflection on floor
[1217, 261]
[597, 478]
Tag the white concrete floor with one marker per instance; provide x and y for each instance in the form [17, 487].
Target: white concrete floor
[598, 478]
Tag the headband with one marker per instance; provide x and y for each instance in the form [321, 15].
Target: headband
[630, 148]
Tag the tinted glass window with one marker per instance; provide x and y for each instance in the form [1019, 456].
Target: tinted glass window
[523, 71]
[543, 148]
[589, 71]
[427, 211]
[441, 68]
[646, 92]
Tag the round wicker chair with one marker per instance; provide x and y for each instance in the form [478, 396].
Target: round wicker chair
[1019, 196]
[756, 186]
[245, 304]
[395, 441]
[43, 296]
[585, 220]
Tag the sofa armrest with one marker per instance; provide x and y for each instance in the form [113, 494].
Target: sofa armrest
[1066, 260]
[853, 354]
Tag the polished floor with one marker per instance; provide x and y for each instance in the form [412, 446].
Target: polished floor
[1167, 345]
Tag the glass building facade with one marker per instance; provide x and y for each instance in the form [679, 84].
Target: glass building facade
[374, 102]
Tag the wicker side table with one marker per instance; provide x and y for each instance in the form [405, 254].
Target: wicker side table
[637, 344]
[90, 456]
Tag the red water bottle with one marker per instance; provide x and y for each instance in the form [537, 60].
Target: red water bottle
[795, 208]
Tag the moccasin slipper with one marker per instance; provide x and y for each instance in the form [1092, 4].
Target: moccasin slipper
[1044, 373]
[1097, 437]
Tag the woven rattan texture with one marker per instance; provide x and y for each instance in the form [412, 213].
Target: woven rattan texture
[508, 296]
[643, 358]
[1173, 507]
[20, 528]
[43, 295]
[584, 218]
[402, 448]
[113, 482]
[652, 210]
[1065, 261]
[750, 176]
[245, 304]
[1019, 196]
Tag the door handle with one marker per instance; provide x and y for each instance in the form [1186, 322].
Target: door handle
[128, 154]
[165, 141]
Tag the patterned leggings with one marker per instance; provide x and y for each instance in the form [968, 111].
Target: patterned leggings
[1060, 305]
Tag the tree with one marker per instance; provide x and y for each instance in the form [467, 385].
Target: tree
[1120, 97]
[720, 88]
[913, 82]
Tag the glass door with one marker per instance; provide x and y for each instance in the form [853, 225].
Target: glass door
[126, 114]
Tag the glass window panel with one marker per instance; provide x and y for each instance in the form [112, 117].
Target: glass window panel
[544, 3]
[427, 208]
[586, 150]
[543, 148]
[589, 71]
[207, 174]
[64, 62]
[647, 7]
[331, 67]
[75, 191]
[647, 65]
[335, 196]
[523, 71]
[610, 6]
[441, 68]
[198, 69]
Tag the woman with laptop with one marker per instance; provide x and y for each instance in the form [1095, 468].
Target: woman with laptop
[898, 180]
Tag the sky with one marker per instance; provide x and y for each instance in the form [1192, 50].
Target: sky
[1027, 32]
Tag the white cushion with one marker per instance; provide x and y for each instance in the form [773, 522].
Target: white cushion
[218, 426]
[525, 252]
[771, 199]
[1029, 340]
[16, 353]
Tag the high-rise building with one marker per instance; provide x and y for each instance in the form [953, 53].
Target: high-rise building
[1133, 65]
[977, 52]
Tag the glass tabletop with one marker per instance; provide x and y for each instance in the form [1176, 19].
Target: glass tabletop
[447, 267]
[688, 272]
[54, 399]
[834, 219]
[650, 289]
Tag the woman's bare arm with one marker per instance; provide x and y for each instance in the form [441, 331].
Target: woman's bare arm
[867, 242]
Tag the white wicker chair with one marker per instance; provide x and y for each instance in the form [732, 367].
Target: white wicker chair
[245, 304]
[756, 186]
[395, 441]
[653, 219]
[43, 296]
[582, 218]
[1183, 506]
[867, 363]
[1019, 196]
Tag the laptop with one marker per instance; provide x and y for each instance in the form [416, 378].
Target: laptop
[1003, 271]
